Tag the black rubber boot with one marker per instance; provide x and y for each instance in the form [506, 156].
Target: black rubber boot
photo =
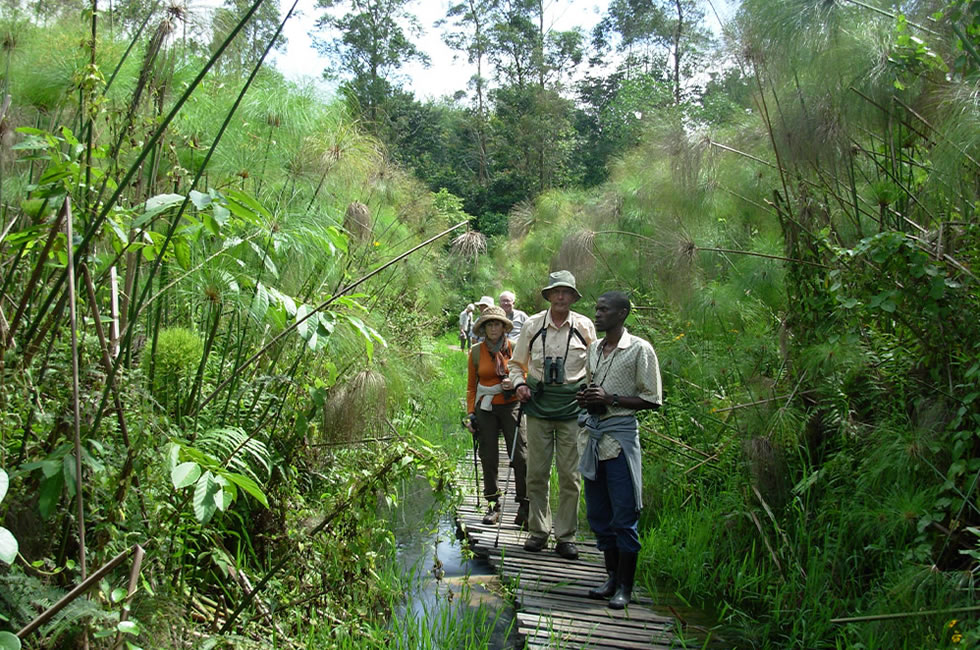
[624, 582]
[607, 588]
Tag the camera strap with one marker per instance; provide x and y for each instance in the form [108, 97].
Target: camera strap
[602, 358]
[543, 333]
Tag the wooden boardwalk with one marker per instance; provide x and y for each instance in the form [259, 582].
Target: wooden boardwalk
[553, 607]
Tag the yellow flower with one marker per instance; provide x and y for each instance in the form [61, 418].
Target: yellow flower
[679, 336]
[957, 637]
[377, 243]
[950, 625]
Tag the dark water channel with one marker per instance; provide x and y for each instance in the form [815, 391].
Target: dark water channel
[452, 601]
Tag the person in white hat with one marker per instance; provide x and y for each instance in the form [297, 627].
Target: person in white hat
[492, 408]
[546, 369]
[481, 304]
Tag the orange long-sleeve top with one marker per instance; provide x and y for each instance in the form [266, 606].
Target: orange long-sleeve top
[485, 373]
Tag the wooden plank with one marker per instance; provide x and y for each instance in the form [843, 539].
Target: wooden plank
[530, 599]
[554, 609]
[631, 627]
[598, 630]
[544, 639]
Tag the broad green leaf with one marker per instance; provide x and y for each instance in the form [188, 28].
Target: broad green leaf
[183, 253]
[204, 492]
[221, 214]
[211, 224]
[227, 494]
[337, 238]
[260, 304]
[30, 142]
[8, 547]
[303, 326]
[173, 456]
[365, 334]
[50, 494]
[9, 640]
[50, 467]
[241, 198]
[247, 484]
[4, 484]
[117, 595]
[128, 627]
[200, 199]
[161, 202]
[324, 324]
[185, 474]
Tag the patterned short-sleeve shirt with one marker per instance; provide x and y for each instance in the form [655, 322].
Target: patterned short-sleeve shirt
[630, 370]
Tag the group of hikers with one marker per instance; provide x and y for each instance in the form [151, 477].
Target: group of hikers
[557, 392]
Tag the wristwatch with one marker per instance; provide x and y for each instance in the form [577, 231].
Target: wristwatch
[615, 401]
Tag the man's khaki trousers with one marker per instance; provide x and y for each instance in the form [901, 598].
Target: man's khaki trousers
[564, 441]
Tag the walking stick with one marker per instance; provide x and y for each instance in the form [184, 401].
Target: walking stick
[510, 469]
[476, 474]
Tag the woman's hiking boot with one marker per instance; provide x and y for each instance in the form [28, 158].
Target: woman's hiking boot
[606, 590]
[625, 573]
[493, 513]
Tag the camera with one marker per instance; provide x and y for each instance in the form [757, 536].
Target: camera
[473, 423]
[596, 409]
[554, 370]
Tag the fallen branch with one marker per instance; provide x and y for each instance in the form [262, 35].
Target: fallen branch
[885, 617]
[82, 587]
[676, 442]
[756, 403]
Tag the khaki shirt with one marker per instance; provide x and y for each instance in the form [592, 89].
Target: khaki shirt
[631, 370]
[530, 362]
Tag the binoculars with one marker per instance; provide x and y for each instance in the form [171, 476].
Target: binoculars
[554, 370]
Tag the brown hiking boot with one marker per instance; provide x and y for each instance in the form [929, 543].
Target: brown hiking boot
[493, 514]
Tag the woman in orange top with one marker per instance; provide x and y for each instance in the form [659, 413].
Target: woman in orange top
[490, 397]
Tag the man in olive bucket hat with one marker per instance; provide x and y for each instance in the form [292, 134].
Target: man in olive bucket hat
[546, 368]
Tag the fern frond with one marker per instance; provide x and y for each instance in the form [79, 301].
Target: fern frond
[238, 451]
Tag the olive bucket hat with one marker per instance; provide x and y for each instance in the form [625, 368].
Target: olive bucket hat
[561, 279]
[489, 314]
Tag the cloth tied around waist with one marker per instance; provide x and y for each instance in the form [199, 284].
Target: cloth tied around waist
[485, 395]
[626, 431]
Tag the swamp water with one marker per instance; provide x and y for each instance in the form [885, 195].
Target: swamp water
[452, 600]
[455, 601]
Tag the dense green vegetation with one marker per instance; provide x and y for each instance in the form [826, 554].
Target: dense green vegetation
[205, 353]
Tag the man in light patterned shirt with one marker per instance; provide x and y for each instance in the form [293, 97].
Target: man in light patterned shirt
[623, 377]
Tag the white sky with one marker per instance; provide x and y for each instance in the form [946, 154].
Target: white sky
[448, 70]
